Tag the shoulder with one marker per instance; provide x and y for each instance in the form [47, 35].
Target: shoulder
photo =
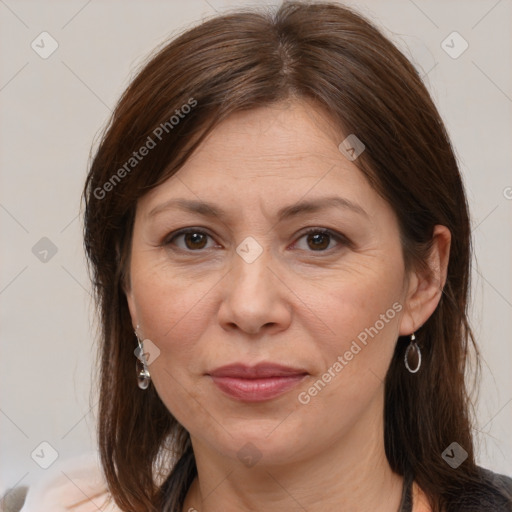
[500, 495]
[74, 485]
[492, 491]
[499, 479]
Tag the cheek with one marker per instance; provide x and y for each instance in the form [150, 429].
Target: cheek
[168, 304]
[355, 298]
[356, 355]
[172, 312]
[361, 311]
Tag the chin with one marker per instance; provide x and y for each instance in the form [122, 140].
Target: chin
[262, 441]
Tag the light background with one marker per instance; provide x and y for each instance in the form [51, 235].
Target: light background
[51, 110]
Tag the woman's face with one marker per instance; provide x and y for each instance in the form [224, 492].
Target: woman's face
[248, 285]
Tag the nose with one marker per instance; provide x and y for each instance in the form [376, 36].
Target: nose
[254, 297]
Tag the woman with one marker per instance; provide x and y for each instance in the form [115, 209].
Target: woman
[279, 240]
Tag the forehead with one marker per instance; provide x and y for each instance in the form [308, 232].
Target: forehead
[278, 136]
[266, 158]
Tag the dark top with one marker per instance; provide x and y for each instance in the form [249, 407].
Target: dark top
[500, 500]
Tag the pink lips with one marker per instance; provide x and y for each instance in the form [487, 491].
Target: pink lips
[257, 383]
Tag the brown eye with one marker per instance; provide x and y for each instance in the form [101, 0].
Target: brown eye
[318, 241]
[189, 240]
[321, 240]
[195, 240]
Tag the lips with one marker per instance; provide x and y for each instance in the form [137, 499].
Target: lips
[264, 381]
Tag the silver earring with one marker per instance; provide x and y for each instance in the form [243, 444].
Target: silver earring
[143, 375]
[412, 356]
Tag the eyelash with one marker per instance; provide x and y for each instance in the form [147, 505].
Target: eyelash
[343, 241]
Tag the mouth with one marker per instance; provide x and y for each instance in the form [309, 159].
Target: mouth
[259, 383]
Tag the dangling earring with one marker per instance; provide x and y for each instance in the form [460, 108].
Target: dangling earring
[143, 375]
[413, 356]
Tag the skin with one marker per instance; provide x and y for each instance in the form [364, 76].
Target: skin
[204, 306]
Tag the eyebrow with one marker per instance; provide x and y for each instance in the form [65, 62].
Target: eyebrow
[211, 210]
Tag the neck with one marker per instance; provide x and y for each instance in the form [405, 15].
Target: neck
[350, 474]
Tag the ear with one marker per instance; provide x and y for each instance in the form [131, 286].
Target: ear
[425, 288]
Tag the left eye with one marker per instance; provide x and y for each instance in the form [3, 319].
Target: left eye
[319, 240]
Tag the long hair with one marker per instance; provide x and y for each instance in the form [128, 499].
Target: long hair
[242, 60]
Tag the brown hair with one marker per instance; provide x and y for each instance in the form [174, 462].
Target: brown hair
[329, 54]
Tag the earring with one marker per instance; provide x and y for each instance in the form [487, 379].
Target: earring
[143, 375]
[413, 356]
